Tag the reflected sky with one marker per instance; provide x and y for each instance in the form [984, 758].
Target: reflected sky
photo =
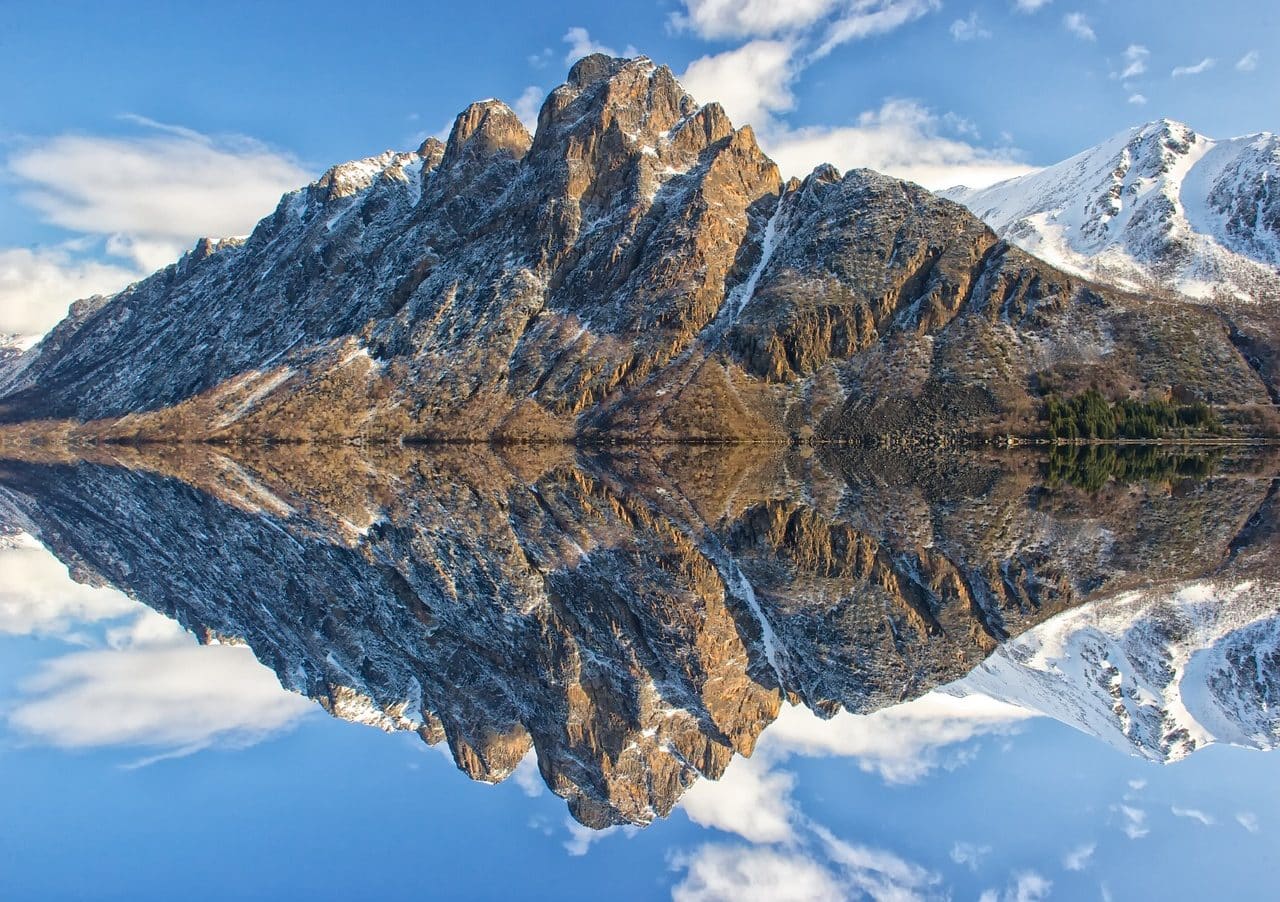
[138, 763]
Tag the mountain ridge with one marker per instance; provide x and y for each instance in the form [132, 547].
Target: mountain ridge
[635, 268]
[1155, 206]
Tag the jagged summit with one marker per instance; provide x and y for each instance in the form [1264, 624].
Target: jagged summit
[637, 269]
[1156, 206]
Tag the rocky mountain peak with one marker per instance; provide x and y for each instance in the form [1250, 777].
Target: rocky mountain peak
[484, 130]
[607, 99]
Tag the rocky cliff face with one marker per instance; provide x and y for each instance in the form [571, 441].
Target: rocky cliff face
[635, 269]
[636, 620]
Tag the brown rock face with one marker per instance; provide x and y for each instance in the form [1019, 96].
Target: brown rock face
[635, 271]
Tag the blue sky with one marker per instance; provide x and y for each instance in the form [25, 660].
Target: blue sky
[134, 762]
[129, 129]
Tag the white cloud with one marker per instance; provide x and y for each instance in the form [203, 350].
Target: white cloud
[37, 286]
[902, 743]
[1135, 61]
[863, 19]
[1135, 821]
[1248, 820]
[751, 82]
[1248, 62]
[527, 776]
[876, 873]
[1138, 785]
[749, 800]
[527, 106]
[716, 19]
[148, 197]
[1079, 858]
[969, 854]
[38, 595]
[1203, 66]
[1193, 814]
[154, 193]
[1024, 886]
[541, 59]
[581, 838]
[1078, 25]
[969, 29]
[902, 138]
[1030, 6]
[723, 873]
[155, 688]
[1138, 99]
[1028, 886]
[582, 44]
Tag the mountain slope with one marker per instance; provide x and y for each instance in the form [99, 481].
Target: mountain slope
[1156, 674]
[1156, 207]
[637, 269]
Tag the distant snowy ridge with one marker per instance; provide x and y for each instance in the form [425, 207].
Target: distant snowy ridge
[1156, 673]
[1156, 207]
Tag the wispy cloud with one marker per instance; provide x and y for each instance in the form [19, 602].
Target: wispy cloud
[969, 854]
[752, 82]
[1248, 62]
[39, 597]
[903, 138]
[716, 19]
[1078, 25]
[1135, 61]
[155, 689]
[1030, 6]
[1023, 886]
[1138, 99]
[1194, 814]
[720, 873]
[582, 44]
[527, 106]
[750, 800]
[1196, 69]
[863, 19]
[144, 198]
[902, 744]
[1078, 859]
[1134, 821]
[755, 84]
[1248, 820]
[969, 29]
[37, 286]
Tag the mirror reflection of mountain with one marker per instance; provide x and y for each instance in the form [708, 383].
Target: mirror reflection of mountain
[638, 619]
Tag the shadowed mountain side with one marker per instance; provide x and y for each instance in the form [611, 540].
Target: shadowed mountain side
[635, 619]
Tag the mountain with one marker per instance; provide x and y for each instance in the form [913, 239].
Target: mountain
[1157, 674]
[637, 269]
[1158, 207]
[1165, 668]
[634, 619]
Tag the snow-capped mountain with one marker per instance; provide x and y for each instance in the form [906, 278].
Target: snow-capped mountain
[636, 267]
[1156, 207]
[1161, 674]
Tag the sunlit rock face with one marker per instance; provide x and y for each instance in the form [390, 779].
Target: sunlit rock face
[635, 270]
[636, 619]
